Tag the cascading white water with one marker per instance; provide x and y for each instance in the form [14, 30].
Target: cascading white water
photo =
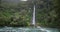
[33, 20]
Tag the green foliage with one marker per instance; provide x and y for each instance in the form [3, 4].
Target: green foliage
[47, 13]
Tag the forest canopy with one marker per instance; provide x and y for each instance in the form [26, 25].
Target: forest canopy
[19, 13]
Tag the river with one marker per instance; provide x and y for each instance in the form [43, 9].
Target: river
[20, 29]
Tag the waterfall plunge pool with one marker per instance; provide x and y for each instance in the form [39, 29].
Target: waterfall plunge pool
[19, 29]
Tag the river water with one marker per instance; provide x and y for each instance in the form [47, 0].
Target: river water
[19, 29]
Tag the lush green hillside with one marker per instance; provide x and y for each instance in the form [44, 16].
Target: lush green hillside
[20, 13]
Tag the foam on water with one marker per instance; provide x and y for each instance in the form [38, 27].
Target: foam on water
[12, 29]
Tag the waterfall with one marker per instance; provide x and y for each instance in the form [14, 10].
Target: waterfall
[33, 20]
